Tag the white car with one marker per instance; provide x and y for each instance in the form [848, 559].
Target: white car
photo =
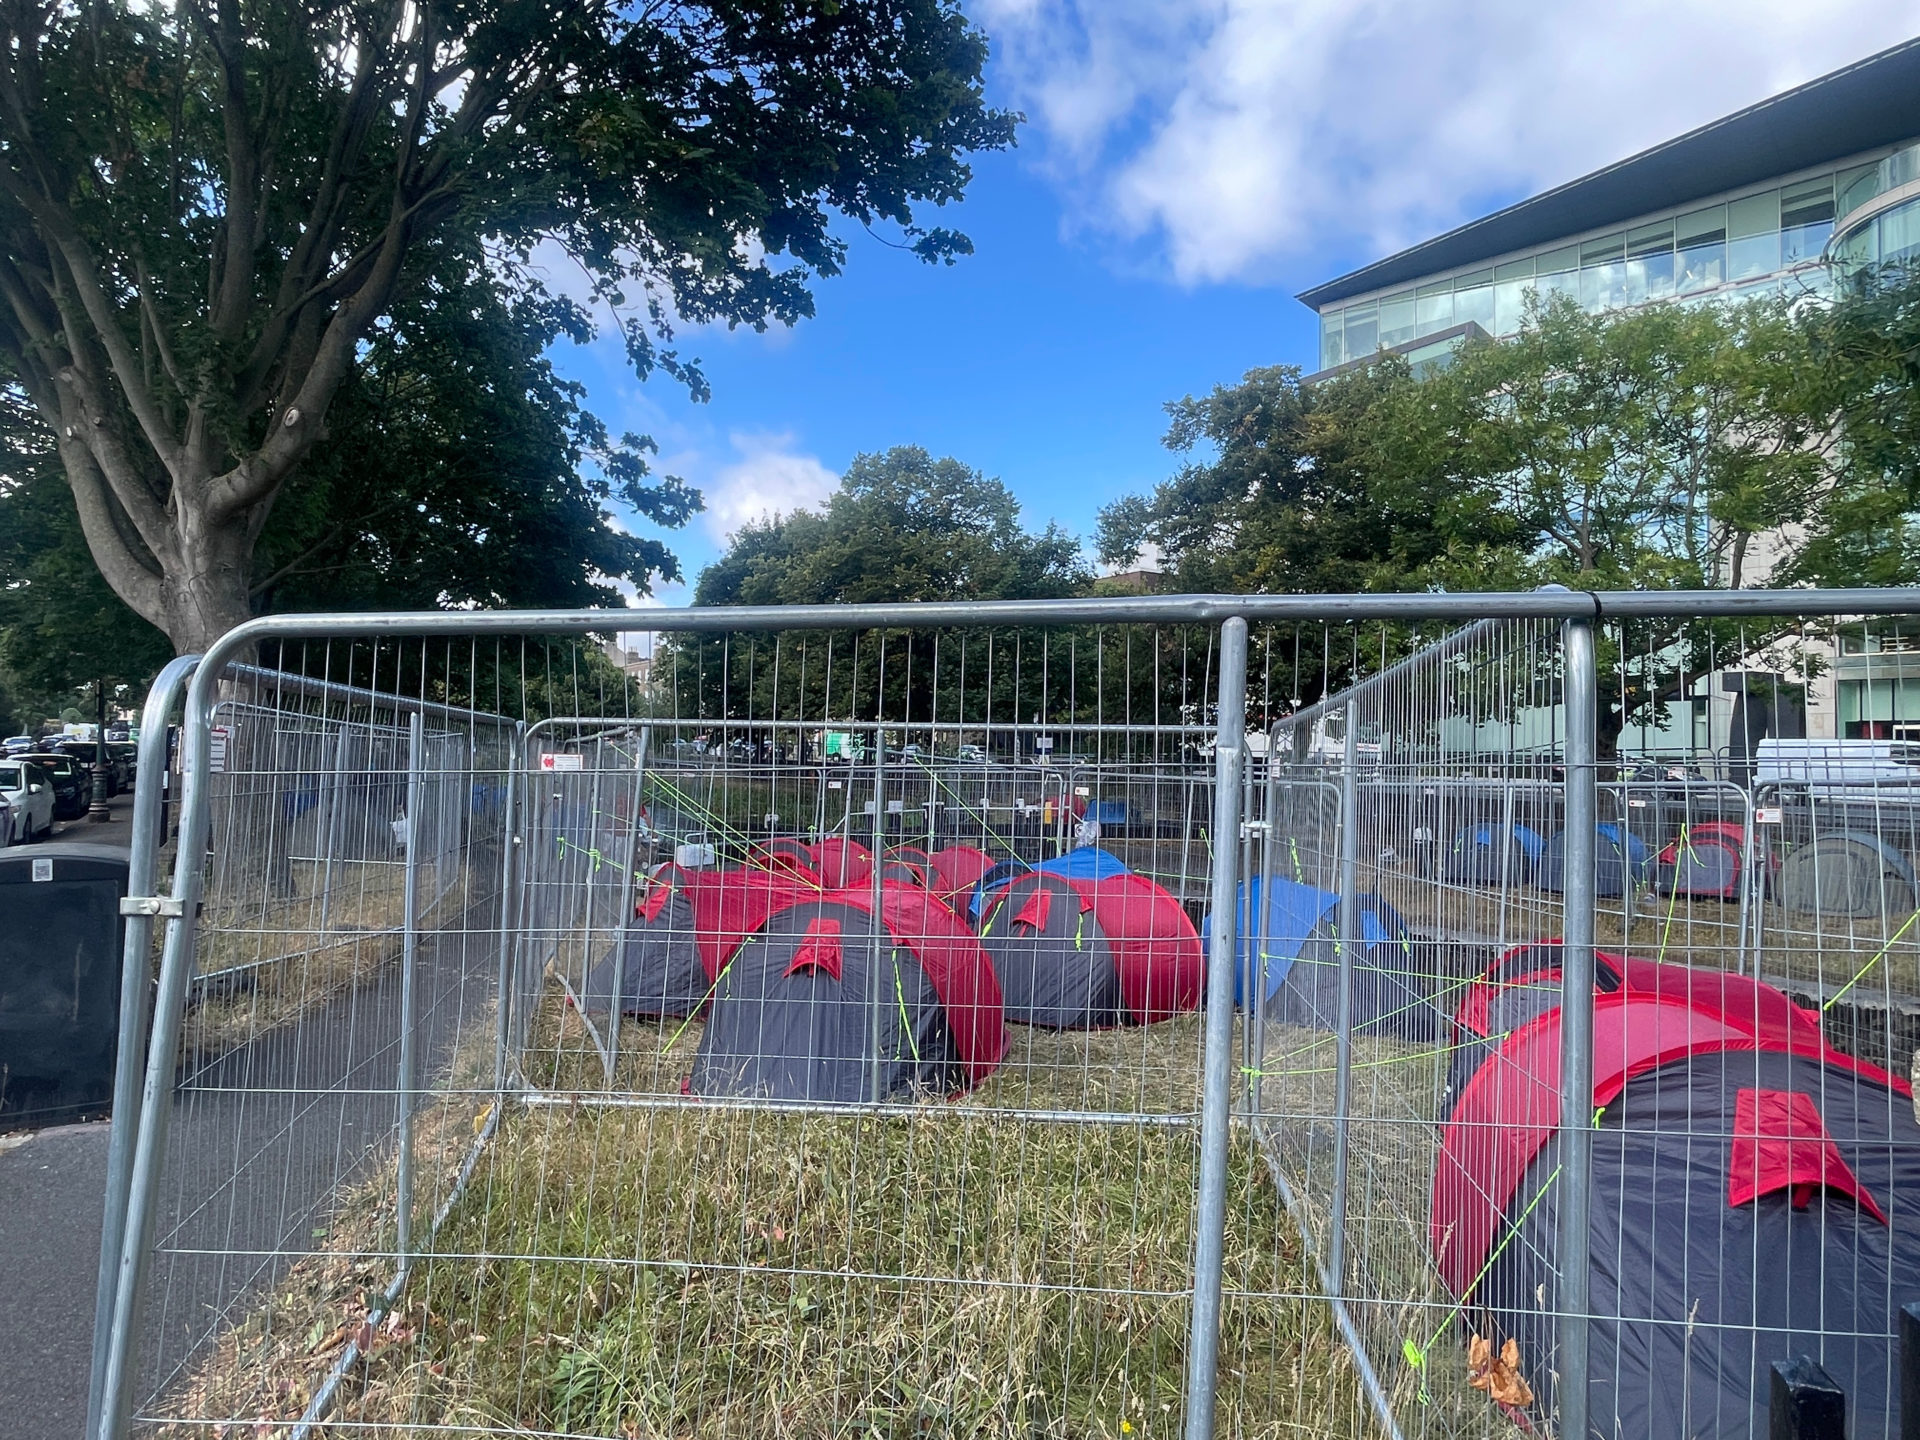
[29, 795]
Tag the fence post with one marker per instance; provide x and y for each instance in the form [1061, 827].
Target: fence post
[881, 939]
[1804, 1402]
[1256, 971]
[1910, 1371]
[409, 957]
[1346, 945]
[1576, 1025]
[170, 1003]
[1210, 1220]
[511, 866]
[143, 869]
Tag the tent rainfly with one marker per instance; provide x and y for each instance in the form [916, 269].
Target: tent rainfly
[1299, 962]
[1619, 859]
[1852, 873]
[840, 862]
[797, 1013]
[1752, 1197]
[1087, 862]
[1480, 852]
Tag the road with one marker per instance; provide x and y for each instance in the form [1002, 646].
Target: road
[51, 1192]
[260, 1140]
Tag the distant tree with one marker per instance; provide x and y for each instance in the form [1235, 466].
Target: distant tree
[902, 526]
[209, 212]
[1865, 363]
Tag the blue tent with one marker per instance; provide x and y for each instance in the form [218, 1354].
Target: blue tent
[1089, 862]
[1474, 858]
[1299, 962]
[1617, 856]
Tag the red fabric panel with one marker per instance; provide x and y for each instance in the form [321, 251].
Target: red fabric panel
[729, 905]
[1511, 1107]
[958, 868]
[962, 975]
[1038, 907]
[819, 948]
[1781, 1143]
[1155, 947]
[1535, 963]
[840, 862]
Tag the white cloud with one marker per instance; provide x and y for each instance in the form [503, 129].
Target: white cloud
[1231, 135]
[768, 478]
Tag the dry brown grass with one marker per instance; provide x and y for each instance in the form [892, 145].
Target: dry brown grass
[946, 1270]
[269, 965]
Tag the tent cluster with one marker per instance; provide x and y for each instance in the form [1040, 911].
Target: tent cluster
[1749, 1195]
[1849, 874]
[1483, 854]
[826, 973]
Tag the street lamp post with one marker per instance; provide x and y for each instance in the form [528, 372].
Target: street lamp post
[97, 811]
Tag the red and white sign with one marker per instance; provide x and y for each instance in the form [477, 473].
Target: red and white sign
[564, 763]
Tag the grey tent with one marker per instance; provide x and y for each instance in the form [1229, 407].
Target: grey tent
[657, 956]
[1851, 873]
[798, 1010]
[1618, 858]
[1056, 969]
[1480, 851]
[1750, 1198]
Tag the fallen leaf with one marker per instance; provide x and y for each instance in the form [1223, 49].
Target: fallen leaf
[332, 1340]
[1498, 1375]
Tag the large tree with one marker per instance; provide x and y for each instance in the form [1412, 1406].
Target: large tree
[208, 211]
[902, 526]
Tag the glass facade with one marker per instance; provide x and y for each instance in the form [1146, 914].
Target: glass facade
[1772, 241]
[1889, 238]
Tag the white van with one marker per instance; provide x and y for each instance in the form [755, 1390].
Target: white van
[1839, 768]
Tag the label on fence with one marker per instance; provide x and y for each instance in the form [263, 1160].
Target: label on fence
[217, 751]
[694, 857]
[42, 869]
[565, 763]
[1768, 814]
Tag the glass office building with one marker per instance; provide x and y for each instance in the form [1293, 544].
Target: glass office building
[1778, 198]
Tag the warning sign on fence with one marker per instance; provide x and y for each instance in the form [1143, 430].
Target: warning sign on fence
[567, 763]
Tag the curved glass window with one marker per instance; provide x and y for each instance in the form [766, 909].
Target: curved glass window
[1890, 240]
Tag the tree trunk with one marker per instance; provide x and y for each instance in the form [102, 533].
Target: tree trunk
[210, 593]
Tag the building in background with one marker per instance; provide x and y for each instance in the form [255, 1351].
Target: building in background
[1778, 198]
[1769, 199]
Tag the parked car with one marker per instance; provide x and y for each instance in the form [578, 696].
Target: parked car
[129, 754]
[6, 822]
[29, 796]
[70, 796]
[86, 754]
[19, 744]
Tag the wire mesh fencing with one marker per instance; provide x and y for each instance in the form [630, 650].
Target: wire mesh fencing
[1134, 1017]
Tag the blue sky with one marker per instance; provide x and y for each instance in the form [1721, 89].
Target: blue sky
[1186, 167]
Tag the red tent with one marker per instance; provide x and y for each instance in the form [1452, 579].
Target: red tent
[956, 870]
[795, 856]
[793, 1015]
[1749, 1197]
[1112, 951]
[840, 862]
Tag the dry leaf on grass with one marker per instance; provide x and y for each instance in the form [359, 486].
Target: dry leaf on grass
[1498, 1375]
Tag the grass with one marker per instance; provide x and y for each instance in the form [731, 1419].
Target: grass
[944, 1270]
[268, 963]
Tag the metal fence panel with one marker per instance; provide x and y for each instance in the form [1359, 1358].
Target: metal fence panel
[481, 1182]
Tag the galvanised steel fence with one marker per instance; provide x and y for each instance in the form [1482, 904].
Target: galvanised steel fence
[831, 1047]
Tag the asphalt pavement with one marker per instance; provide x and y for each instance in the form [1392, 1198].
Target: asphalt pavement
[52, 1189]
